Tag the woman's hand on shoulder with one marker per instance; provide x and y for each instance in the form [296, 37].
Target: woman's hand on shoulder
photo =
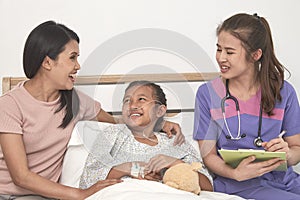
[172, 128]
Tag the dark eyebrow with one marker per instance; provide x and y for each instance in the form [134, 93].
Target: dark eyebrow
[143, 95]
[74, 53]
[227, 48]
[139, 95]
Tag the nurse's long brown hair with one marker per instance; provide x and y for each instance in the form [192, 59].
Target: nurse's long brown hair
[254, 33]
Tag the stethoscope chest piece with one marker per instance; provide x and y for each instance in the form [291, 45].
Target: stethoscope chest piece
[258, 142]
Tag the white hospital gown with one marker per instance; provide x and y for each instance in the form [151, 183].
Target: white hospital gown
[115, 145]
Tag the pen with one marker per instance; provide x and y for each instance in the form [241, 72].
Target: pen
[282, 133]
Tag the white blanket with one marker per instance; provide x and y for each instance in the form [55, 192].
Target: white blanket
[135, 189]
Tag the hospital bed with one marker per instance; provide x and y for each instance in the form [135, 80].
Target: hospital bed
[180, 89]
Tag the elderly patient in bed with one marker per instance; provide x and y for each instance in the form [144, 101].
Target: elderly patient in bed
[137, 149]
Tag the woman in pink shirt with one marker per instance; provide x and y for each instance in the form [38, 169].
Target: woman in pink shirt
[38, 115]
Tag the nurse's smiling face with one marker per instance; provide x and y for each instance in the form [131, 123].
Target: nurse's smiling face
[231, 57]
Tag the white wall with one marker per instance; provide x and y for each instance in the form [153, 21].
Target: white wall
[98, 21]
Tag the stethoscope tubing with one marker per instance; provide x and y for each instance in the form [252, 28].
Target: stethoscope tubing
[239, 127]
[258, 140]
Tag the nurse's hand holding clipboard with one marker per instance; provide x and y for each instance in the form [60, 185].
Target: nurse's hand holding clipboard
[248, 169]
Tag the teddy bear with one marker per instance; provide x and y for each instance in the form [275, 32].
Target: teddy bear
[183, 176]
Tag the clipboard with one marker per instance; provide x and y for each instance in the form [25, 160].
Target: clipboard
[234, 157]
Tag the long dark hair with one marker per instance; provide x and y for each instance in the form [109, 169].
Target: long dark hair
[158, 94]
[255, 33]
[49, 39]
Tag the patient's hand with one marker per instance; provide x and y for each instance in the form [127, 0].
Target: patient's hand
[159, 162]
[153, 177]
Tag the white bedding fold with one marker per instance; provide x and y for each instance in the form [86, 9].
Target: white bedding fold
[135, 189]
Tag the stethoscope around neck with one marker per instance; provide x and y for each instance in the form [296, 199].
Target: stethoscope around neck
[258, 140]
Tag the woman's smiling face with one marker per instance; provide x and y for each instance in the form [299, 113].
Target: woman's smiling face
[65, 67]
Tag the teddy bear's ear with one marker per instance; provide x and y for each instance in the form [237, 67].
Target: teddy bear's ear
[196, 166]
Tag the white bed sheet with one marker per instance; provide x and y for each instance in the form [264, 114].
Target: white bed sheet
[134, 189]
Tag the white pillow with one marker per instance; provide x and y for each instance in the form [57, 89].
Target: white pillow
[74, 161]
[82, 139]
[73, 165]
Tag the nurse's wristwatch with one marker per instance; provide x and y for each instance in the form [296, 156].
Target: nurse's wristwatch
[137, 170]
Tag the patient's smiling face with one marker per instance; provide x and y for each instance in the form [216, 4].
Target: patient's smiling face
[139, 108]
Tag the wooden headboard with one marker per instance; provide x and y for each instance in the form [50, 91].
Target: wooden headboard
[9, 82]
